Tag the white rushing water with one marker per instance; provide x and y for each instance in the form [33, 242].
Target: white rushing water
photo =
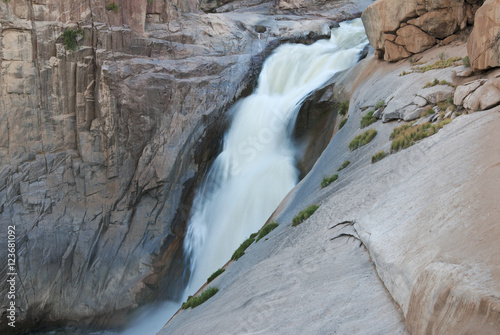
[256, 168]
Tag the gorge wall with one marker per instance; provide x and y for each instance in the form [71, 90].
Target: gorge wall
[101, 147]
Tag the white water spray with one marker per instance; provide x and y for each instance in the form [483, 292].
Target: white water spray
[256, 168]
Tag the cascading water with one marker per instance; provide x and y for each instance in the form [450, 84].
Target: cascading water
[256, 168]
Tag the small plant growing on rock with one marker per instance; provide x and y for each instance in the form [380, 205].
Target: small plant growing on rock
[241, 249]
[368, 119]
[304, 215]
[328, 180]
[342, 123]
[344, 165]
[437, 82]
[215, 275]
[70, 37]
[192, 302]
[112, 6]
[466, 61]
[266, 230]
[362, 139]
[441, 64]
[378, 156]
[405, 136]
[343, 108]
[379, 104]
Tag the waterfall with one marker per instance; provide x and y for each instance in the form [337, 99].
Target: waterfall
[256, 168]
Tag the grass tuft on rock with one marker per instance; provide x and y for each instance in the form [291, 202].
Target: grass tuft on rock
[113, 6]
[405, 136]
[379, 104]
[215, 275]
[378, 156]
[344, 165]
[328, 180]
[304, 215]
[192, 302]
[438, 82]
[362, 139]
[343, 108]
[368, 119]
[342, 123]
[241, 249]
[466, 61]
[440, 64]
[266, 230]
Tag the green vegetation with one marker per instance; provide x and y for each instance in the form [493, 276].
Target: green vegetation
[441, 64]
[368, 119]
[437, 82]
[112, 6]
[196, 301]
[362, 139]
[344, 165]
[215, 275]
[69, 38]
[150, 1]
[444, 105]
[466, 61]
[405, 136]
[304, 215]
[378, 156]
[253, 235]
[266, 230]
[379, 104]
[404, 73]
[342, 123]
[343, 108]
[328, 180]
[429, 111]
[241, 249]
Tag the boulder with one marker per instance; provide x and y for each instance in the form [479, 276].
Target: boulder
[437, 93]
[483, 46]
[394, 52]
[414, 39]
[419, 101]
[464, 90]
[440, 23]
[485, 97]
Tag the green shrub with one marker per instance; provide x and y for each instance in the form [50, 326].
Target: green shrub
[215, 275]
[342, 123]
[379, 104]
[196, 301]
[304, 215]
[328, 180]
[378, 156]
[362, 139]
[406, 135]
[69, 38]
[253, 235]
[344, 165]
[466, 61]
[443, 105]
[112, 6]
[241, 249]
[266, 230]
[368, 119]
[344, 108]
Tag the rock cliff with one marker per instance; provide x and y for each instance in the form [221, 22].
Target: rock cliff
[102, 146]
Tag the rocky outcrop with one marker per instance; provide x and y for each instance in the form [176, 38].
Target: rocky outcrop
[102, 147]
[480, 94]
[483, 46]
[398, 29]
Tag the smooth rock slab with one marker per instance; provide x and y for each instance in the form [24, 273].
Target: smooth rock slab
[437, 93]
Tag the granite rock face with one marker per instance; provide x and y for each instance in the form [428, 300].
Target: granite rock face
[399, 29]
[483, 46]
[102, 147]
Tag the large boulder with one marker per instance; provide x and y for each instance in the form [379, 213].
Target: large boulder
[483, 46]
[418, 24]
